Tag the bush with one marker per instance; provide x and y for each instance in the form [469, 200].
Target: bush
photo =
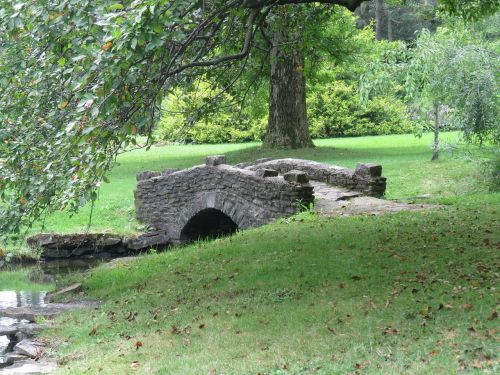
[335, 111]
[221, 126]
[174, 128]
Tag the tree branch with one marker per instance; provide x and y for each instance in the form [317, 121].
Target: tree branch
[349, 4]
[238, 56]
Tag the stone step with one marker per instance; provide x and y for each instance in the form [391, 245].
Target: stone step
[30, 367]
[49, 311]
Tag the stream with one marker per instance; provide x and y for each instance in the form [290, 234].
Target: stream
[27, 286]
[13, 298]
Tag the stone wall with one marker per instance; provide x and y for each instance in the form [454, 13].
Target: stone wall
[366, 178]
[168, 201]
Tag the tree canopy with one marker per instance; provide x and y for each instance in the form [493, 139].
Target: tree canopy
[80, 78]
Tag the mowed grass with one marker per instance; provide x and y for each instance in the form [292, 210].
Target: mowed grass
[406, 293]
[405, 159]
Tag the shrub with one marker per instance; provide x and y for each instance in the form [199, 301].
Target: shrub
[222, 126]
[335, 111]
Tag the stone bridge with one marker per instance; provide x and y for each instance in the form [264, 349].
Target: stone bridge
[210, 200]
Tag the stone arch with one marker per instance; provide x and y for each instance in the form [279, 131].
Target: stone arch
[209, 215]
[208, 223]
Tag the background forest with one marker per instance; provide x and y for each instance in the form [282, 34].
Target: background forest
[341, 73]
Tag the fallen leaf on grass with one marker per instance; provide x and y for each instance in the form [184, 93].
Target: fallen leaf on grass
[93, 331]
[131, 316]
[399, 257]
[466, 306]
[434, 352]
[112, 316]
[477, 365]
[390, 331]
[135, 365]
[447, 306]
[361, 366]
[138, 344]
[451, 335]
[494, 315]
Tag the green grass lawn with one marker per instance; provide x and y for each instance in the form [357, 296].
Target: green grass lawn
[406, 293]
[409, 293]
[405, 159]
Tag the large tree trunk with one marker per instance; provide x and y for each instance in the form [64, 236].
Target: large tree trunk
[379, 11]
[287, 126]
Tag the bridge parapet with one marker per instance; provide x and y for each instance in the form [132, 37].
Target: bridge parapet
[366, 178]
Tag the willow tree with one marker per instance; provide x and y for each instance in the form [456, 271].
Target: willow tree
[79, 79]
[455, 69]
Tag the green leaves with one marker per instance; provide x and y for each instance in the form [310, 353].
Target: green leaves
[471, 10]
[79, 79]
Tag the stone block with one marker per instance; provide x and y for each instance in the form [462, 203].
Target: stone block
[214, 160]
[296, 176]
[263, 172]
[146, 175]
[369, 169]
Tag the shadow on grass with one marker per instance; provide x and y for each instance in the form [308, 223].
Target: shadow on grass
[332, 155]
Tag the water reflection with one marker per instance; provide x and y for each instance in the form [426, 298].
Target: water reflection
[21, 299]
[45, 273]
[16, 299]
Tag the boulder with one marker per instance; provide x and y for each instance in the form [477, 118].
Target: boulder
[15, 357]
[29, 348]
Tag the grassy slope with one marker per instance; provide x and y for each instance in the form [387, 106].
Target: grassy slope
[403, 293]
